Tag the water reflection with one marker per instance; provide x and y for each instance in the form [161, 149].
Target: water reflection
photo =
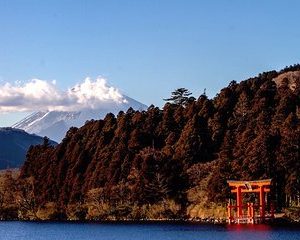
[250, 231]
[249, 227]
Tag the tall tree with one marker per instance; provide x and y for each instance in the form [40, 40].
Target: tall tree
[181, 96]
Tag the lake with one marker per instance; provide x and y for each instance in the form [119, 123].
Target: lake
[143, 231]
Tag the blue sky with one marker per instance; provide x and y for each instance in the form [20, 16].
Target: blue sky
[146, 48]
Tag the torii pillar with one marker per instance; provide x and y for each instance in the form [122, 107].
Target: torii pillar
[262, 202]
[239, 202]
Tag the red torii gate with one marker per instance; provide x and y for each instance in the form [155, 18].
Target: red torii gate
[239, 187]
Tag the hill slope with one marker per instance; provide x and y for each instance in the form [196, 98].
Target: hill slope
[14, 144]
[178, 156]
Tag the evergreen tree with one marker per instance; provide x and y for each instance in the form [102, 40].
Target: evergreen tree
[181, 96]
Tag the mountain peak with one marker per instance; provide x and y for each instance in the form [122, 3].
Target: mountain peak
[55, 124]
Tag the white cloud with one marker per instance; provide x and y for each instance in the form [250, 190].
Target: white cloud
[37, 95]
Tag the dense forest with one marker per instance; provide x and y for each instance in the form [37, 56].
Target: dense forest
[167, 163]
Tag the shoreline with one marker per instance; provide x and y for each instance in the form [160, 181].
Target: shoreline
[275, 223]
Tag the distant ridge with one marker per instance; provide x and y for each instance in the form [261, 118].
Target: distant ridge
[14, 144]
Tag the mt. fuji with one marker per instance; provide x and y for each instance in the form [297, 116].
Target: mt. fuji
[55, 124]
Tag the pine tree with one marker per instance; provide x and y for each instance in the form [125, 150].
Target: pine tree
[181, 96]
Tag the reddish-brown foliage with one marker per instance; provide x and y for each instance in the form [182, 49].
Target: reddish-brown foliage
[249, 130]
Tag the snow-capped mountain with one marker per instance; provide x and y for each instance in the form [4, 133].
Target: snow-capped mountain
[55, 124]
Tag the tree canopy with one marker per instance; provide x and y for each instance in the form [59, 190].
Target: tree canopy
[181, 96]
[182, 154]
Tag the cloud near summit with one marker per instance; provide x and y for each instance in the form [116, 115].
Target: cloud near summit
[37, 95]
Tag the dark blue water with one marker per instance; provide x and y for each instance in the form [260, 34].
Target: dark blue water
[114, 231]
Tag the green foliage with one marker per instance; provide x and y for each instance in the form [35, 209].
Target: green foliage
[181, 96]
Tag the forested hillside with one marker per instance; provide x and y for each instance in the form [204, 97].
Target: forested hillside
[162, 163]
[14, 144]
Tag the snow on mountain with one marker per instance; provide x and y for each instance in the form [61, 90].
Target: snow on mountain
[55, 124]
